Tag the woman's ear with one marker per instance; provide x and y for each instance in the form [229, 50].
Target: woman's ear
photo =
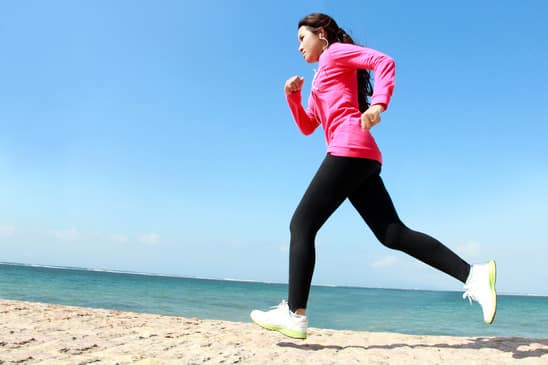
[322, 33]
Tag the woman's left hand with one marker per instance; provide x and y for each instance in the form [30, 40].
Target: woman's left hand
[372, 116]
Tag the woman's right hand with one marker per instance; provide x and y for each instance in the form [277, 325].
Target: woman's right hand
[293, 85]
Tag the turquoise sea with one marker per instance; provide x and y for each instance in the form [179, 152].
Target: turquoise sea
[379, 310]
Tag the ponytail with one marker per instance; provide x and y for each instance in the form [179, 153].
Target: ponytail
[365, 88]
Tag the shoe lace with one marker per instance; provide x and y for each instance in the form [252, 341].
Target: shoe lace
[283, 304]
[468, 294]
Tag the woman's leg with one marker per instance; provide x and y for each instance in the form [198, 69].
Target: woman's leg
[376, 208]
[336, 178]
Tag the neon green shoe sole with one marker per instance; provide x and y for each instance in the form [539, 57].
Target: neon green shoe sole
[492, 281]
[286, 331]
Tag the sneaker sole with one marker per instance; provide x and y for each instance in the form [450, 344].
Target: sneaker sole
[492, 282]
[286, 331]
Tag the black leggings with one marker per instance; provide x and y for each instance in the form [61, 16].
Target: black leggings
[358, 180]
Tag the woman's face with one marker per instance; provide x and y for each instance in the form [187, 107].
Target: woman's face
[310, 44]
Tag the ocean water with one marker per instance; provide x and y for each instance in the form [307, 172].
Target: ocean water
[379, 310]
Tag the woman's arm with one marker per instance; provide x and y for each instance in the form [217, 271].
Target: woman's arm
[383, 67]
[304, 119]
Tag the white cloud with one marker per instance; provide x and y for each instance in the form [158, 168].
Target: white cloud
[68, 234]
[119, 238]
[386, 261]
[417, 264]
[150, 239]
[468, 250]
[7, 230]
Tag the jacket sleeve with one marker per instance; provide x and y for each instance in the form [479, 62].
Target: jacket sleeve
[383, 67]
[304, 119]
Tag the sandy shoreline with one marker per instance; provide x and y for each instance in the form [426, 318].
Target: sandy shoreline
[32, 333]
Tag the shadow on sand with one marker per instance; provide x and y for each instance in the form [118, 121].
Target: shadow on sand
[505, 344]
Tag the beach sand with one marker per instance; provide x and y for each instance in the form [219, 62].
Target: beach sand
[38, 333]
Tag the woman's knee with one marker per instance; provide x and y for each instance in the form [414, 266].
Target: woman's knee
[393, 235]
[302, 231]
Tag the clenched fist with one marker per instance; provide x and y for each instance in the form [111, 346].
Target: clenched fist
[372, 116]
[293, 85]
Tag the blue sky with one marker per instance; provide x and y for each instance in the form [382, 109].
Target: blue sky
[155, 137]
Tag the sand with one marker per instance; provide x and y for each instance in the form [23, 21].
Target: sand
[38, 333]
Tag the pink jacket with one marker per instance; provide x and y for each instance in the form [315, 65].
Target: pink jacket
[333, 100]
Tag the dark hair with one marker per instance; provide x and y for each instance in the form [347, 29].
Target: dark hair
[315, 21]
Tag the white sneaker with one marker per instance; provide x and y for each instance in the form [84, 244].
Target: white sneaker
[480, 286]
[281, 319]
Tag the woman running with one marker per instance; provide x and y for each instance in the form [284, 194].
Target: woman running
[338, 102]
